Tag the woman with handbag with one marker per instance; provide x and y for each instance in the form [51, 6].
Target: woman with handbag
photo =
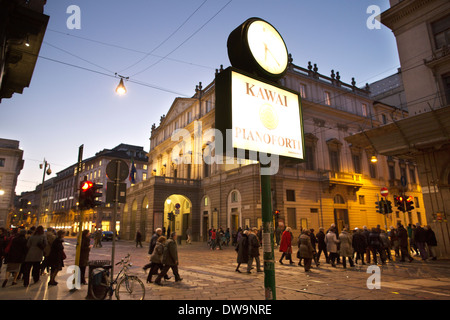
[286, 246]
[56, 257]
[36, 244]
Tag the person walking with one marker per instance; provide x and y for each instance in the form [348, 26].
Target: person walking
[36, 244]
[332, 245]
[313, 243]
[412, 242]
[98, 238]
[385, 245]
[3, 243]
[15, 256]
[153, 241]
[286, 246]
[56, 257]
[359, 244]
[420, 238]
[366, 233]
[253, 251]
[50, 235]
[346, 249]
[170, 259]
[242, 249]
[306, 249]
[156, 259]
[393, 236]
[376, 246]
[403, 243]
[431, 241]
[138, 238]
[321, 245]
[213, 239]
[188, 235]
[85, 249]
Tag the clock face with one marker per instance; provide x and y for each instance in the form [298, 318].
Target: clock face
[267, 47]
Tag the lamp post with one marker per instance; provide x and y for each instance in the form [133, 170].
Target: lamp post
[49, 172]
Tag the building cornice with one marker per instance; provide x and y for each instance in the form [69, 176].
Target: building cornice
[402, 10]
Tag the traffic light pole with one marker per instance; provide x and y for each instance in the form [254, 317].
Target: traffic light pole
[267, 238]
[81, 212]
[116, 201]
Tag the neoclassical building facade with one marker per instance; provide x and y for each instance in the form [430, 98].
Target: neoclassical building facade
[337, 182]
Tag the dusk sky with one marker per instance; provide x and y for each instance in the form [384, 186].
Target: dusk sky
[71, 99]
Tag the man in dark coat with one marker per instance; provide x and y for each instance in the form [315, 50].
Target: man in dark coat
[253, 251]
[242, 250]
[322, 246]
[431, 242]
[138, 238]
[376, 245]
[403, 242]
[359, 244]
[420, 237]
[170, 259]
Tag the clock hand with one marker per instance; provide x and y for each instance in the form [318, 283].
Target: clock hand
[273, 57]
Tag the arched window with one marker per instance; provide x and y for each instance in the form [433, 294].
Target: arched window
[234, 197]
[338, 199]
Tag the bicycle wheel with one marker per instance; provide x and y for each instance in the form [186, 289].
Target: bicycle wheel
[130, 288]
[99, 285]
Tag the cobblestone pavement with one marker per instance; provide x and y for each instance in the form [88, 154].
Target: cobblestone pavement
[211, 275]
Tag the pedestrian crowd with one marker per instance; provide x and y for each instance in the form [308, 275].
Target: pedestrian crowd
[361, 244]
[37, 252]
[32, 252]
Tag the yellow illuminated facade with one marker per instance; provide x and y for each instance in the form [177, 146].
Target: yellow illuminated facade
[337, 183]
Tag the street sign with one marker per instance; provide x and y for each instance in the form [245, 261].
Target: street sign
[403, 181]
[384, 192]
[111, 192]
[111, 170]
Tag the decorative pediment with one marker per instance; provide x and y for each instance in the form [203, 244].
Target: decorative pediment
[178, 107]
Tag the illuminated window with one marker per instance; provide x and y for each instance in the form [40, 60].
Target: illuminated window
[302, 91]
[327, 97]
[365, 110]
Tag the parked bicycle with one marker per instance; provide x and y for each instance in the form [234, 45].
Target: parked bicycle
[125, 286]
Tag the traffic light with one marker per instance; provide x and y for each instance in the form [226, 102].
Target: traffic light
[89, 192]
[409, 204]
[399, 202]
[276, 213]
[171, 216]
[380, 206]
[85, 195]
[388, 207]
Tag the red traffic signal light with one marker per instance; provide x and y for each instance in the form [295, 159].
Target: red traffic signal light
[89, 192]
[86, 185]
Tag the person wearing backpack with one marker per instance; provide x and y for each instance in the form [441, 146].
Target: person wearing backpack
[36, 244]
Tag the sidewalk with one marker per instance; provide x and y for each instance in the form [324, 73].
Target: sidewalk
[211, 275]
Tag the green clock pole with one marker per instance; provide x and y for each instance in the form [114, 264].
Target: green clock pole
[268, 252]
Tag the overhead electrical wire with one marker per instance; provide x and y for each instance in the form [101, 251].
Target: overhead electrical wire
[165, 40]
[187, 39]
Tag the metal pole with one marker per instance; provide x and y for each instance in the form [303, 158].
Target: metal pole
[267, 238]
[116, 200]
[42, 194]
[81, 212]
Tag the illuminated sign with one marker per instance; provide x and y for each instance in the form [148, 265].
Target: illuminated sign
[263, 117]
